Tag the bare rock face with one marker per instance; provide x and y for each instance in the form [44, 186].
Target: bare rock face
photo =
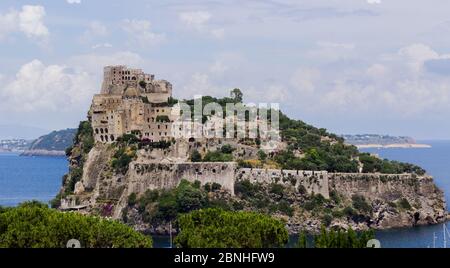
[401, 200]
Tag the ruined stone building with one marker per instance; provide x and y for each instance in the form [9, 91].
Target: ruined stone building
[132, 101]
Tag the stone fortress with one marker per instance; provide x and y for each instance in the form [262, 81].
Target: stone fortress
[133, 102]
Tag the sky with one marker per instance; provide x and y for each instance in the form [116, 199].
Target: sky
[350, 66]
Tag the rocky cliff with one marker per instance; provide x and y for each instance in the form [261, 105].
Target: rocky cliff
[99, 183]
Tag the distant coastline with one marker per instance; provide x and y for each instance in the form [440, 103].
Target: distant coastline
[363, 141]
[394, 145]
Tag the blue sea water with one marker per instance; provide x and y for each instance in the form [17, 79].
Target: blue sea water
[24, 178]
[39, 178]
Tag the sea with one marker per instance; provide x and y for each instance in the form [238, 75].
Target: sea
[24, 178]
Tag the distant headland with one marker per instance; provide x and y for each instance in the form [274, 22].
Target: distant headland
[382, 141]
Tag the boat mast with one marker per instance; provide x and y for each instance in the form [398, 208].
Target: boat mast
[434, 239]
[445, 235]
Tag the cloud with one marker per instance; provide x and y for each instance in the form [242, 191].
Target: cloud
[376, 71]
[141, 32]
[95, 30]
[93, 63]
[73, 1]
[417, 54]
[103, 45]
[372, 2]
[40, 87]
[199, 21]
[29, 21]
[331, 51]
[200, 84]
[303, 80]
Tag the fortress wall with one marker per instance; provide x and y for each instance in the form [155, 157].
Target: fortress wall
[314, 181]
[147, 176]
[388, 187]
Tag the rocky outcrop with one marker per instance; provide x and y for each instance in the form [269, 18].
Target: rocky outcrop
[400, 200]
[43, 153]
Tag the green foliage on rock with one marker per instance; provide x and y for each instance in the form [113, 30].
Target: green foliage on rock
[360, 204]
[373, 164]
[196, 156]
[217, 156]
[159, 206]
[216, 228]
[33, 225]
[85, 136]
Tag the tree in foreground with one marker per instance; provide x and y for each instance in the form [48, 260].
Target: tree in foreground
[336, 239]
[217, 228]
[34, 225]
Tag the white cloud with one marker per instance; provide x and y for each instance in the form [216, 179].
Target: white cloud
[97, 28]
[372, 2]
[417, 54]
[103, 45]
[199, 84]
[195, 19]
[74, 1]
[199, 21]
[331, 51]
[29, 21]
[304, 79]
[40, 87]
[376, 71]
[93, 63]
[141, 32]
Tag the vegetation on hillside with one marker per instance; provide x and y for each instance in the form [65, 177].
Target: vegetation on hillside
[82, 144]
[311, 148]
[162, 206]
[225, 154]
[34, 225]
[55, 141]
[217, 228]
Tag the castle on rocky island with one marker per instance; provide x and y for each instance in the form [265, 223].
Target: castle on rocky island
[133, 102]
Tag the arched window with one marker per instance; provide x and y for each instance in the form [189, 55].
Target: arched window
[96, 131]
[101, 138]
[106, 130]
[106, 137]
[101, 130]
[112, 137]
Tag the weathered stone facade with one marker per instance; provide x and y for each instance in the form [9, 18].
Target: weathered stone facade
[131, 100]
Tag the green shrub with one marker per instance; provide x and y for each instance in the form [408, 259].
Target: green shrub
[337, 239]
[216, 228]
[33, 225]
[217, 156]
[132, 199]
[196, 156]
[403, 203]
[360, 203]
[227, 149]
[246, 189]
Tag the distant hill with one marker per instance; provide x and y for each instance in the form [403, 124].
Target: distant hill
[10, 132]
[376, 140]
[51, 144]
